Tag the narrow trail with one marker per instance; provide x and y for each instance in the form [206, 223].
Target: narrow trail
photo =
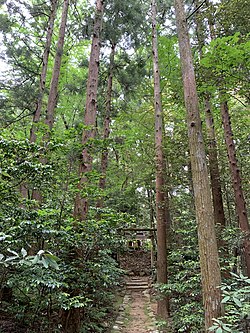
[139, 321]
[137, 313]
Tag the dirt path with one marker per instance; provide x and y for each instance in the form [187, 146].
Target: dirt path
[138, 311]
[140, 319]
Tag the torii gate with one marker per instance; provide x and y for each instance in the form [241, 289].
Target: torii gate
[152, 237]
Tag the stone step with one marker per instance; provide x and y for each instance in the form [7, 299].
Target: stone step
[139, 283]
[137, 280]
[139, 287]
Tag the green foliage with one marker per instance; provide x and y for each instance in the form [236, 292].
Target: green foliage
[20, 161]
[235, 297]
[44, 258]
[226, 61]
[170, 69]
[183, 287]
[232, 16]
[125, 20]
[41, 251]
[220, 327]
[42, 284]
[48, 265]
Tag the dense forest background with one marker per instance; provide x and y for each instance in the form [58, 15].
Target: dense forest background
[79, 160]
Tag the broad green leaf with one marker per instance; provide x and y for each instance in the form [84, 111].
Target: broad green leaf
[35, 260]
[45, 262]
[51, 256]
[225, 299]
[212, 328]
[237, 302]
[24, 252]
[11, 258]
[13, 252]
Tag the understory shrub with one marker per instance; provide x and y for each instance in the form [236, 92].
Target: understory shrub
[47, 264]
[36, 288]
[236, 299]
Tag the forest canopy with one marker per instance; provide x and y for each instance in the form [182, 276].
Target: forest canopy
[124, 114]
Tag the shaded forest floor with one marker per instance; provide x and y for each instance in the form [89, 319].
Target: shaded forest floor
[10, 325]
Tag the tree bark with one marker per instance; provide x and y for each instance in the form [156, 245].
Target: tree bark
[45, 58]
[37, 113]
[161, 216]
[219, 215]
[209, 260]
[237, 186]
[73, 318]
[106, 125]
[52, 100]
[240, 203]
[81, 203]
[152, 226]
[53, 93]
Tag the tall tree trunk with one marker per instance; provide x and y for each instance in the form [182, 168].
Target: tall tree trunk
[236, 180]
[152, 225]
[219, 215]
[81, 204]
[52, 100]
[53, 93]
[162, 304]
[106, 125]
[71, 320]
[45, 58]
[37, 113]
[233, 163]
[209, 260]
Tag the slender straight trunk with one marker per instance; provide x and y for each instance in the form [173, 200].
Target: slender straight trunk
[166, 192]
[81, 204]
[52, 100]
[228, 204]
[152, 226]
[162, 304]
[53, 93]
[209, 259]
[45, 58]
[71, 319]
[219, 215]
[37, 113]
[233, 163]
[106, 125]
[236, 180]
[166, 187]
